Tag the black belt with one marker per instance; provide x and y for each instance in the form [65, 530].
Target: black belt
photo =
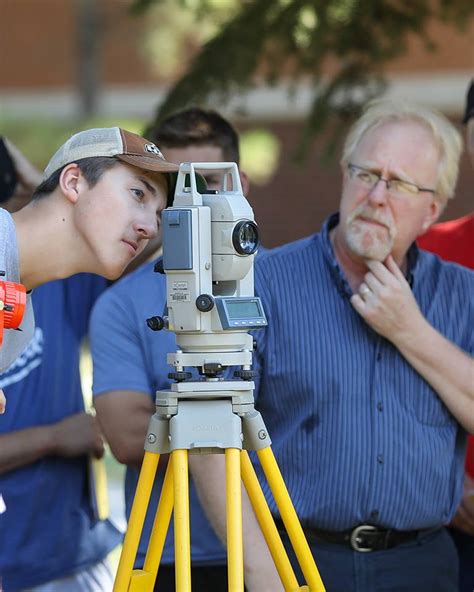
[365, 537]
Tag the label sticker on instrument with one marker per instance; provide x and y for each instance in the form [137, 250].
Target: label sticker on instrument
[180, 286]
[180, 297]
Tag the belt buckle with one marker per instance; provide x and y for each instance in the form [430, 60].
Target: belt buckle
[354, 538]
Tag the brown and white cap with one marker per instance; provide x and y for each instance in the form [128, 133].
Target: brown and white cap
[110, 141]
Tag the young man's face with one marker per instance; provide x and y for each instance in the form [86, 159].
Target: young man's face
[374, 221]
[118, 215]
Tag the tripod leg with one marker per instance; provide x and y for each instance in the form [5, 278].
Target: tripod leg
[160, 525]
[235, 551]
[267, 524]
[290, 519]
[136, 520]
[182, 545]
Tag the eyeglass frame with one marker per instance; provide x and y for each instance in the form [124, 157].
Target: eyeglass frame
[377, 177]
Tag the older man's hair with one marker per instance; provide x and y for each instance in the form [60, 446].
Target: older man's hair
[447, 139]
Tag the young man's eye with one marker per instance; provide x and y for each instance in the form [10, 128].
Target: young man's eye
[139, 193]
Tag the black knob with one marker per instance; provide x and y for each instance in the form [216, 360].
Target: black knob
[179, 376]
[158, 268]
[155, 323]
[205, 303]
[211, 370]
[245, 374]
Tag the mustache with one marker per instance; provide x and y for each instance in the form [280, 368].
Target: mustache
[372, 214]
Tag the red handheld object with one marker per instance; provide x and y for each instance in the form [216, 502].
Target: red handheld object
[12, 306]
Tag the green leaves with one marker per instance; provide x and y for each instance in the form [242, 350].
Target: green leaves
[340, 47]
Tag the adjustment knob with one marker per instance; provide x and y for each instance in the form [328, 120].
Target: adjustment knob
[179, 376]
[156, 323]
[245, 374]
[211, 369]
[205, 303]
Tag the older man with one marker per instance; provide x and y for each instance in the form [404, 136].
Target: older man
[365, 374]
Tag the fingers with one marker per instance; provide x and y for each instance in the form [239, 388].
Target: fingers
[3, 402]
[387, 271]
[359, 304]
[372, 282]
[393, 268]
[379, 271]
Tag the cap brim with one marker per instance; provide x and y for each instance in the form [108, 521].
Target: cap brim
[149, 163]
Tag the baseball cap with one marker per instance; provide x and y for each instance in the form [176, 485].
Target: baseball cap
[112, 142]
[469, 104]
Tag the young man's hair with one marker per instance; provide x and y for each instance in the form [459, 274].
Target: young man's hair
[197, 127]
[92, 168]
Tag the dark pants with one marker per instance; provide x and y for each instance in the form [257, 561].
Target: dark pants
[205, 578]
[465, 546]
[426, 565]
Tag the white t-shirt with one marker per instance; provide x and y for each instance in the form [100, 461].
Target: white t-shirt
[14, 342]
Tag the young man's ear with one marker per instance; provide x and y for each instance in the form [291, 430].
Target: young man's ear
[69, 181]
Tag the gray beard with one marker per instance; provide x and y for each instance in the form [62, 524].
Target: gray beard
[378, 249]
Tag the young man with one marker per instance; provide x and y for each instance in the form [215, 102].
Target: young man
[130, 360]
[94, 212]
[365, 367]
[57, 541]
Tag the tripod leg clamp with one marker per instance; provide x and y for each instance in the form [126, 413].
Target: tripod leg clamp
[157, 438]
[255, 432]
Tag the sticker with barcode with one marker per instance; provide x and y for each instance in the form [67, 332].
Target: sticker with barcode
[180, 297]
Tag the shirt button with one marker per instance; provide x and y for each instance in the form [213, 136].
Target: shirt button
[380, 406]
[374, 514]
[379, 356]
[380, 459]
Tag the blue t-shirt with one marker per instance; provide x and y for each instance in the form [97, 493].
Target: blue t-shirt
[127, 355]
[359, 435]
[50, 529]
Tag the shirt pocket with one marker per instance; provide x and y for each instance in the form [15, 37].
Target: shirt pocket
[428, 408]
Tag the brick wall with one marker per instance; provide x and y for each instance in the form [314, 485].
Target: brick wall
[38, 45]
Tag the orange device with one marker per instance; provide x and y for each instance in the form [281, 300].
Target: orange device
[12, 306]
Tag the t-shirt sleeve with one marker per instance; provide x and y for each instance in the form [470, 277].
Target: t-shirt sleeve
[117, 351]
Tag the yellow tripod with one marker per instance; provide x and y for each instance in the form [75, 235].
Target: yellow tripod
[182, 417]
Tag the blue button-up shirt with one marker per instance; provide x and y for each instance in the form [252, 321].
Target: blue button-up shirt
[359, 435]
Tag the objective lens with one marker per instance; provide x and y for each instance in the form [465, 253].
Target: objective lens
[245, 237]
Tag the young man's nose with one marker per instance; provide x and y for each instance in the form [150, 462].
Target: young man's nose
[147, 228]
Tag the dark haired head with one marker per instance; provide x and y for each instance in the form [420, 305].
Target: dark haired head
[197, 127]
[92, 168]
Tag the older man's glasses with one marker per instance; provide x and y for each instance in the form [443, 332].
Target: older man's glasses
[369, 179]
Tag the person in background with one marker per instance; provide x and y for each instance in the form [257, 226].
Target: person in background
[130, 360]
[454, 241]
